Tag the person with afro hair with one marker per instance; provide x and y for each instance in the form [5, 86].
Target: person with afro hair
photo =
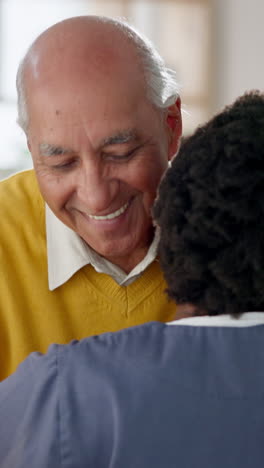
[211, 213]
[188, 393]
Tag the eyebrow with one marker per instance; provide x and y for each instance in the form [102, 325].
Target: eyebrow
[46, 149]
[120, 138]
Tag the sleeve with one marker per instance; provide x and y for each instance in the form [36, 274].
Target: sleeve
[29, 414]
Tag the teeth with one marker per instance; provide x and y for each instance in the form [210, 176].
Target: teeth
[111, 215]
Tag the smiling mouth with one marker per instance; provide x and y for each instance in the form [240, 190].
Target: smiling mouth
[113, 215]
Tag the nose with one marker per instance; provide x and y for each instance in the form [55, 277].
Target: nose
[96, 189]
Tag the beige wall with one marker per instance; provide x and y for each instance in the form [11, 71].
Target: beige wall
[238, 41]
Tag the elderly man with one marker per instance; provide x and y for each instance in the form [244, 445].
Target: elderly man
[185, 394]
[102, 119]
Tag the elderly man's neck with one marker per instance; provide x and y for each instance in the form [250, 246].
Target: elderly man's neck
[130, 260]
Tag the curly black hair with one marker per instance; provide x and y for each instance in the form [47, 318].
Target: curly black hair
[211, 213]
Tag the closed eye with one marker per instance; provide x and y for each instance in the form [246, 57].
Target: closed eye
[121, 157]
[65, 165]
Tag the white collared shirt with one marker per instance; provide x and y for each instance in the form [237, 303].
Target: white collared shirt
[247, 319]
[68, 253]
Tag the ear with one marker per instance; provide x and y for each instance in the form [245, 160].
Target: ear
[174, 126]
[29, 146]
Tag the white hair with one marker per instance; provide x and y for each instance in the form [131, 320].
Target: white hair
[22, 113]
[162, 86]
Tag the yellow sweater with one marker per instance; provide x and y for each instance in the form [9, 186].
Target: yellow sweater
[31, 316]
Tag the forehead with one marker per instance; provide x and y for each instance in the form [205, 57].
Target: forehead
[95, 108]
[83, 77]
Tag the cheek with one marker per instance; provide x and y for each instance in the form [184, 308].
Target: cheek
[55, 191]
[149, 179]
[148, 185]
[146, 171]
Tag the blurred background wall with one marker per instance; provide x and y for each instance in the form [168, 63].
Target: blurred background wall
[215, 46]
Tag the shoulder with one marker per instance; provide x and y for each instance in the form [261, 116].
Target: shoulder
[20, 186]
[111, 354]
[129, 338]
[21, 205]
[30, 371]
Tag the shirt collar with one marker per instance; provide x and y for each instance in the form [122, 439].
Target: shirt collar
[247, 319]
[67, 253]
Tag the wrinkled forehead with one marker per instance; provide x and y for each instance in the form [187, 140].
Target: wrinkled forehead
[74, 111]
[79, 98]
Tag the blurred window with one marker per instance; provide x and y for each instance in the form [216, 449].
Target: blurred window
[180, 29]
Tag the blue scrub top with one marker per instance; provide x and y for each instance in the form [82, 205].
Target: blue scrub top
[148, 396]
